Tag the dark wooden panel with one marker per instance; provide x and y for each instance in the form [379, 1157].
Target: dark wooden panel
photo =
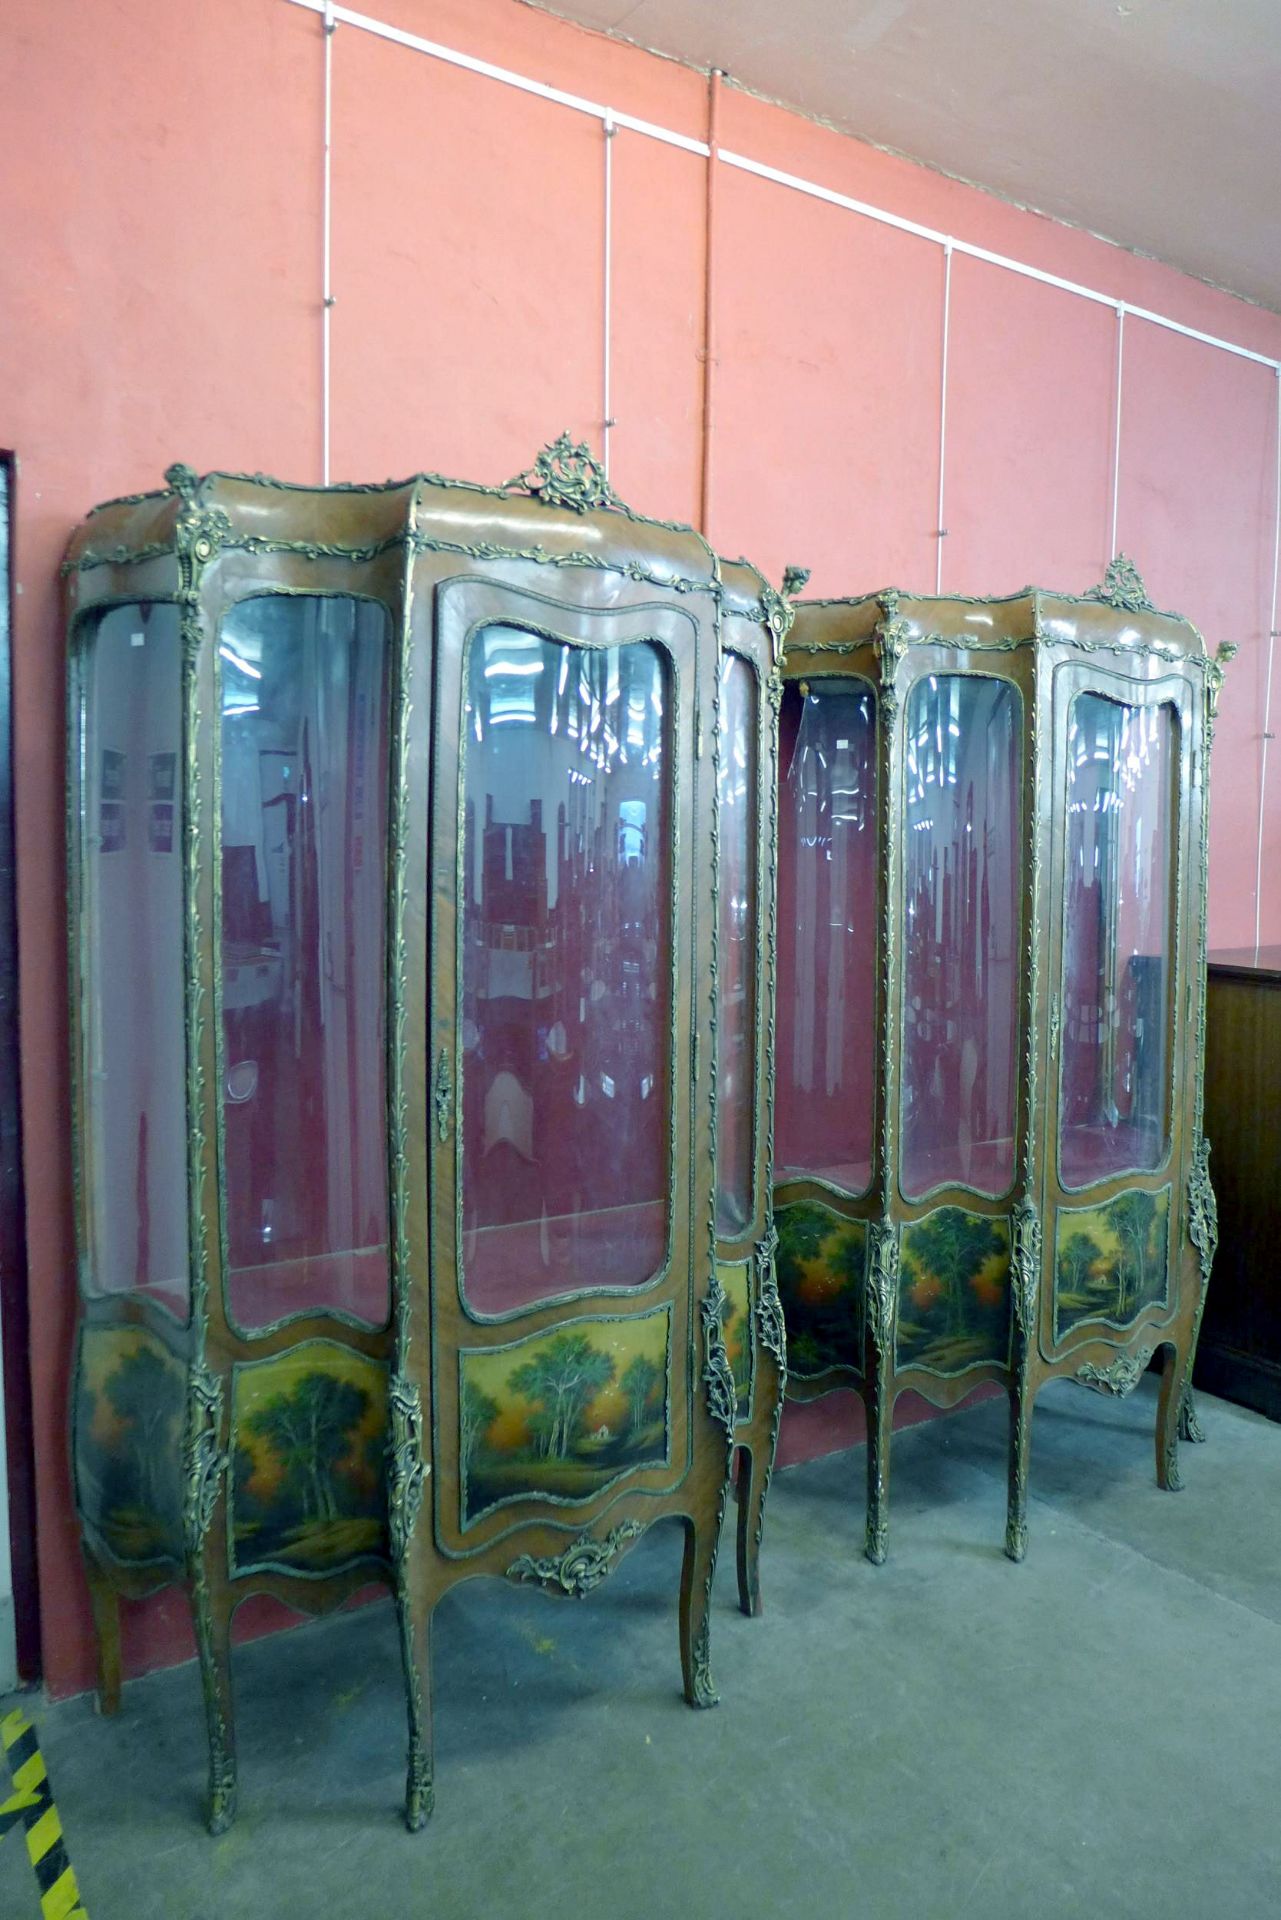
[1240, 1352]
[15, 1391]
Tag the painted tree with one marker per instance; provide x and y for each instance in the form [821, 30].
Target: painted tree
[144, 1395]
[802, 1229]
[1079, 1255]
[954, 1246]
[848, 1256]
[562, 1378]
[243, 1469]
[804, 1354]
[737, 1347]
[640, 1382]
[1130, 1218]
[309, 1429]
[476, 1415]
[375, 1459]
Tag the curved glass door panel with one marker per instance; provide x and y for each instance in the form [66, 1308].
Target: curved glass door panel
[962, 869]
[304, 910]
[133, 1061]
[565, 936]
[1117, 941]
[736, 1014]
[827, 862]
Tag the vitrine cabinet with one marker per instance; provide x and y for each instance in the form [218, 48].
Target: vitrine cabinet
[991, 1164]
[422, 983]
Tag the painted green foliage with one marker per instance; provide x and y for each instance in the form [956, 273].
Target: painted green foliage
[954, 1294]
[821, 1266]
[563, 1413]
[1111, 1261]
[128, 1452]
[309, 1475]
[736, 1324]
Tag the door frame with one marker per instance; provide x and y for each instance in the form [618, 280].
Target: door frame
[15, 1382]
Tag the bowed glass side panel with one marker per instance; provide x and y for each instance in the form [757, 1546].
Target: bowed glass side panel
[1117, 938]
[565, 926]
[304, 912]
[737, 897]
[827, 871]
[132, 1023]
[962, 875]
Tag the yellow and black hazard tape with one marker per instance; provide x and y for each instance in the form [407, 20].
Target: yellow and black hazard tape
[31, 1806]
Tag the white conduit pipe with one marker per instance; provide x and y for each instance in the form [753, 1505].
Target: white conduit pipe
[652, 131]
[1116, 428]
[606, 398]
[610, 116]
[971, 252]
[327, 291]
[940, 528]
[1267, 694]
[488, 71]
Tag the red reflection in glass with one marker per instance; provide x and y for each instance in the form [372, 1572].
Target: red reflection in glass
[963, 753]
[736, 1016]
[133, 1065]
[1116, 943]
[565, 917]
[827, 933]
[304, 906]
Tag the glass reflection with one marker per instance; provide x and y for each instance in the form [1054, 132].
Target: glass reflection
[1122, 763]
[133, 1064]
[827, 933]
[565, 909]
[304, 905]
[961, 872]
[736, 1018]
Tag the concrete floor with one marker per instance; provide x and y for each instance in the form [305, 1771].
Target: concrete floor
[1096, 1732]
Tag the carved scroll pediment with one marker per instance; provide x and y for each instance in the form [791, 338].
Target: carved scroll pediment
[1122, 587]
[567, 474]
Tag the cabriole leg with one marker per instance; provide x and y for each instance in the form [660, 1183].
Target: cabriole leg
[415, 1647]
[1167, 1421]
[105, 1602]
[747, 1489]
[880, 1415]
[756, 1470]
[1020, 1454]
[1190, 1427]
[213, 1644]
[701, 1541]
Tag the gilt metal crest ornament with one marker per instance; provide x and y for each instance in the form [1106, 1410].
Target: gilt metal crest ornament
[1122, 587]
[567, 474]
[582, 1566]
[1122, 1377]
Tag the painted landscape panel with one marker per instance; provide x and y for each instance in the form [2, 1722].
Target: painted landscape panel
[130, 1407]
[1111, 1261]
[560, 1414]
[309, 1442]
[821, 1267]
[954, 1291]
[735, 1277]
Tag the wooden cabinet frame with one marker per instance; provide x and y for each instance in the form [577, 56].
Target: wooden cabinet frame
[556, 551]
[1048, 647]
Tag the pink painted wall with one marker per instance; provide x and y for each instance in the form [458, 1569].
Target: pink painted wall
[161, 208]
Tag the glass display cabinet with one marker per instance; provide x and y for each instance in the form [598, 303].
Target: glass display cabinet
[992, 893]
[421, 903]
